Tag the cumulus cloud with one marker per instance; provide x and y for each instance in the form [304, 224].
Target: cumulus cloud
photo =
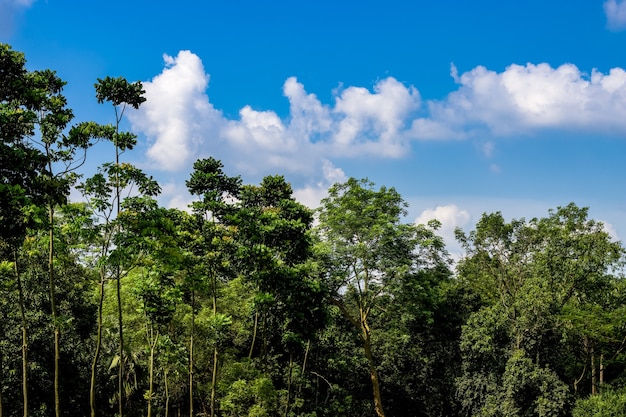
[311, 194]
[309, 119]
[524, 99]
[450, 216]
[374, 121]
[181, 124]
[177, 116]
[615, 11]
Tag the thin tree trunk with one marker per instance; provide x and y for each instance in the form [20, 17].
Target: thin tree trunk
[193, 318]
[378, 402]
[215, 352]
[593, 374]
[96, 355]
[53, 308]
[1, 371]
[120, 373]
[256, 323]
[153, 341]
[362, 326]
[167, 393]
[214, 380]
[601, 369]
[580, 378]
[289, 384]
[24, 339]
[264, 339]
[306, 356]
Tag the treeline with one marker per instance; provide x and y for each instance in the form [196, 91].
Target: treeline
[251, 304]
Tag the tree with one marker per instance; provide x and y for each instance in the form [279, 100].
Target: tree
[528, 275]
[120, 93]
[149, 234]
[62, 161]
[369, 254]
[23, 166]
[104, 193]
[75, 312]
[274, 232]
[218, 191]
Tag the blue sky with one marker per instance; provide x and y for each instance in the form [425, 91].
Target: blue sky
[464, 107]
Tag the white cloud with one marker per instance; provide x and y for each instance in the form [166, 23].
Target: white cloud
[332, 174]
[374, 121]
[450, 216]
[360, 123]
[312, 194]
[177, 116]
[610, 230]
[175, 195]
[615, 11]
[526, 99]
[309, 119]
[182, 125]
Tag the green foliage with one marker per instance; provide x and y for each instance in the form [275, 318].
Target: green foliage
[75, 318]
[216, 188]
[539, 281]
[370, 259]
[256, 398]
[245, 308]
[119, 91]
[609, 403]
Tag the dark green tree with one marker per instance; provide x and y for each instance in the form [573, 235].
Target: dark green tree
[214, 246]
[276, 243]
[529, 276]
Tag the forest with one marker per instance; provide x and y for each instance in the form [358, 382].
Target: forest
[251, 304]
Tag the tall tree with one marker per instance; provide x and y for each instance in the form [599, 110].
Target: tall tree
[149, 232]
[105, 193]
[64, 155]
[218, 192]
[120, 93]
[370, 252]
[276, 245]
[21, 169]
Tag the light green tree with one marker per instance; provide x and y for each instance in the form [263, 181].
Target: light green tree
[105, 192]
[369, 252]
